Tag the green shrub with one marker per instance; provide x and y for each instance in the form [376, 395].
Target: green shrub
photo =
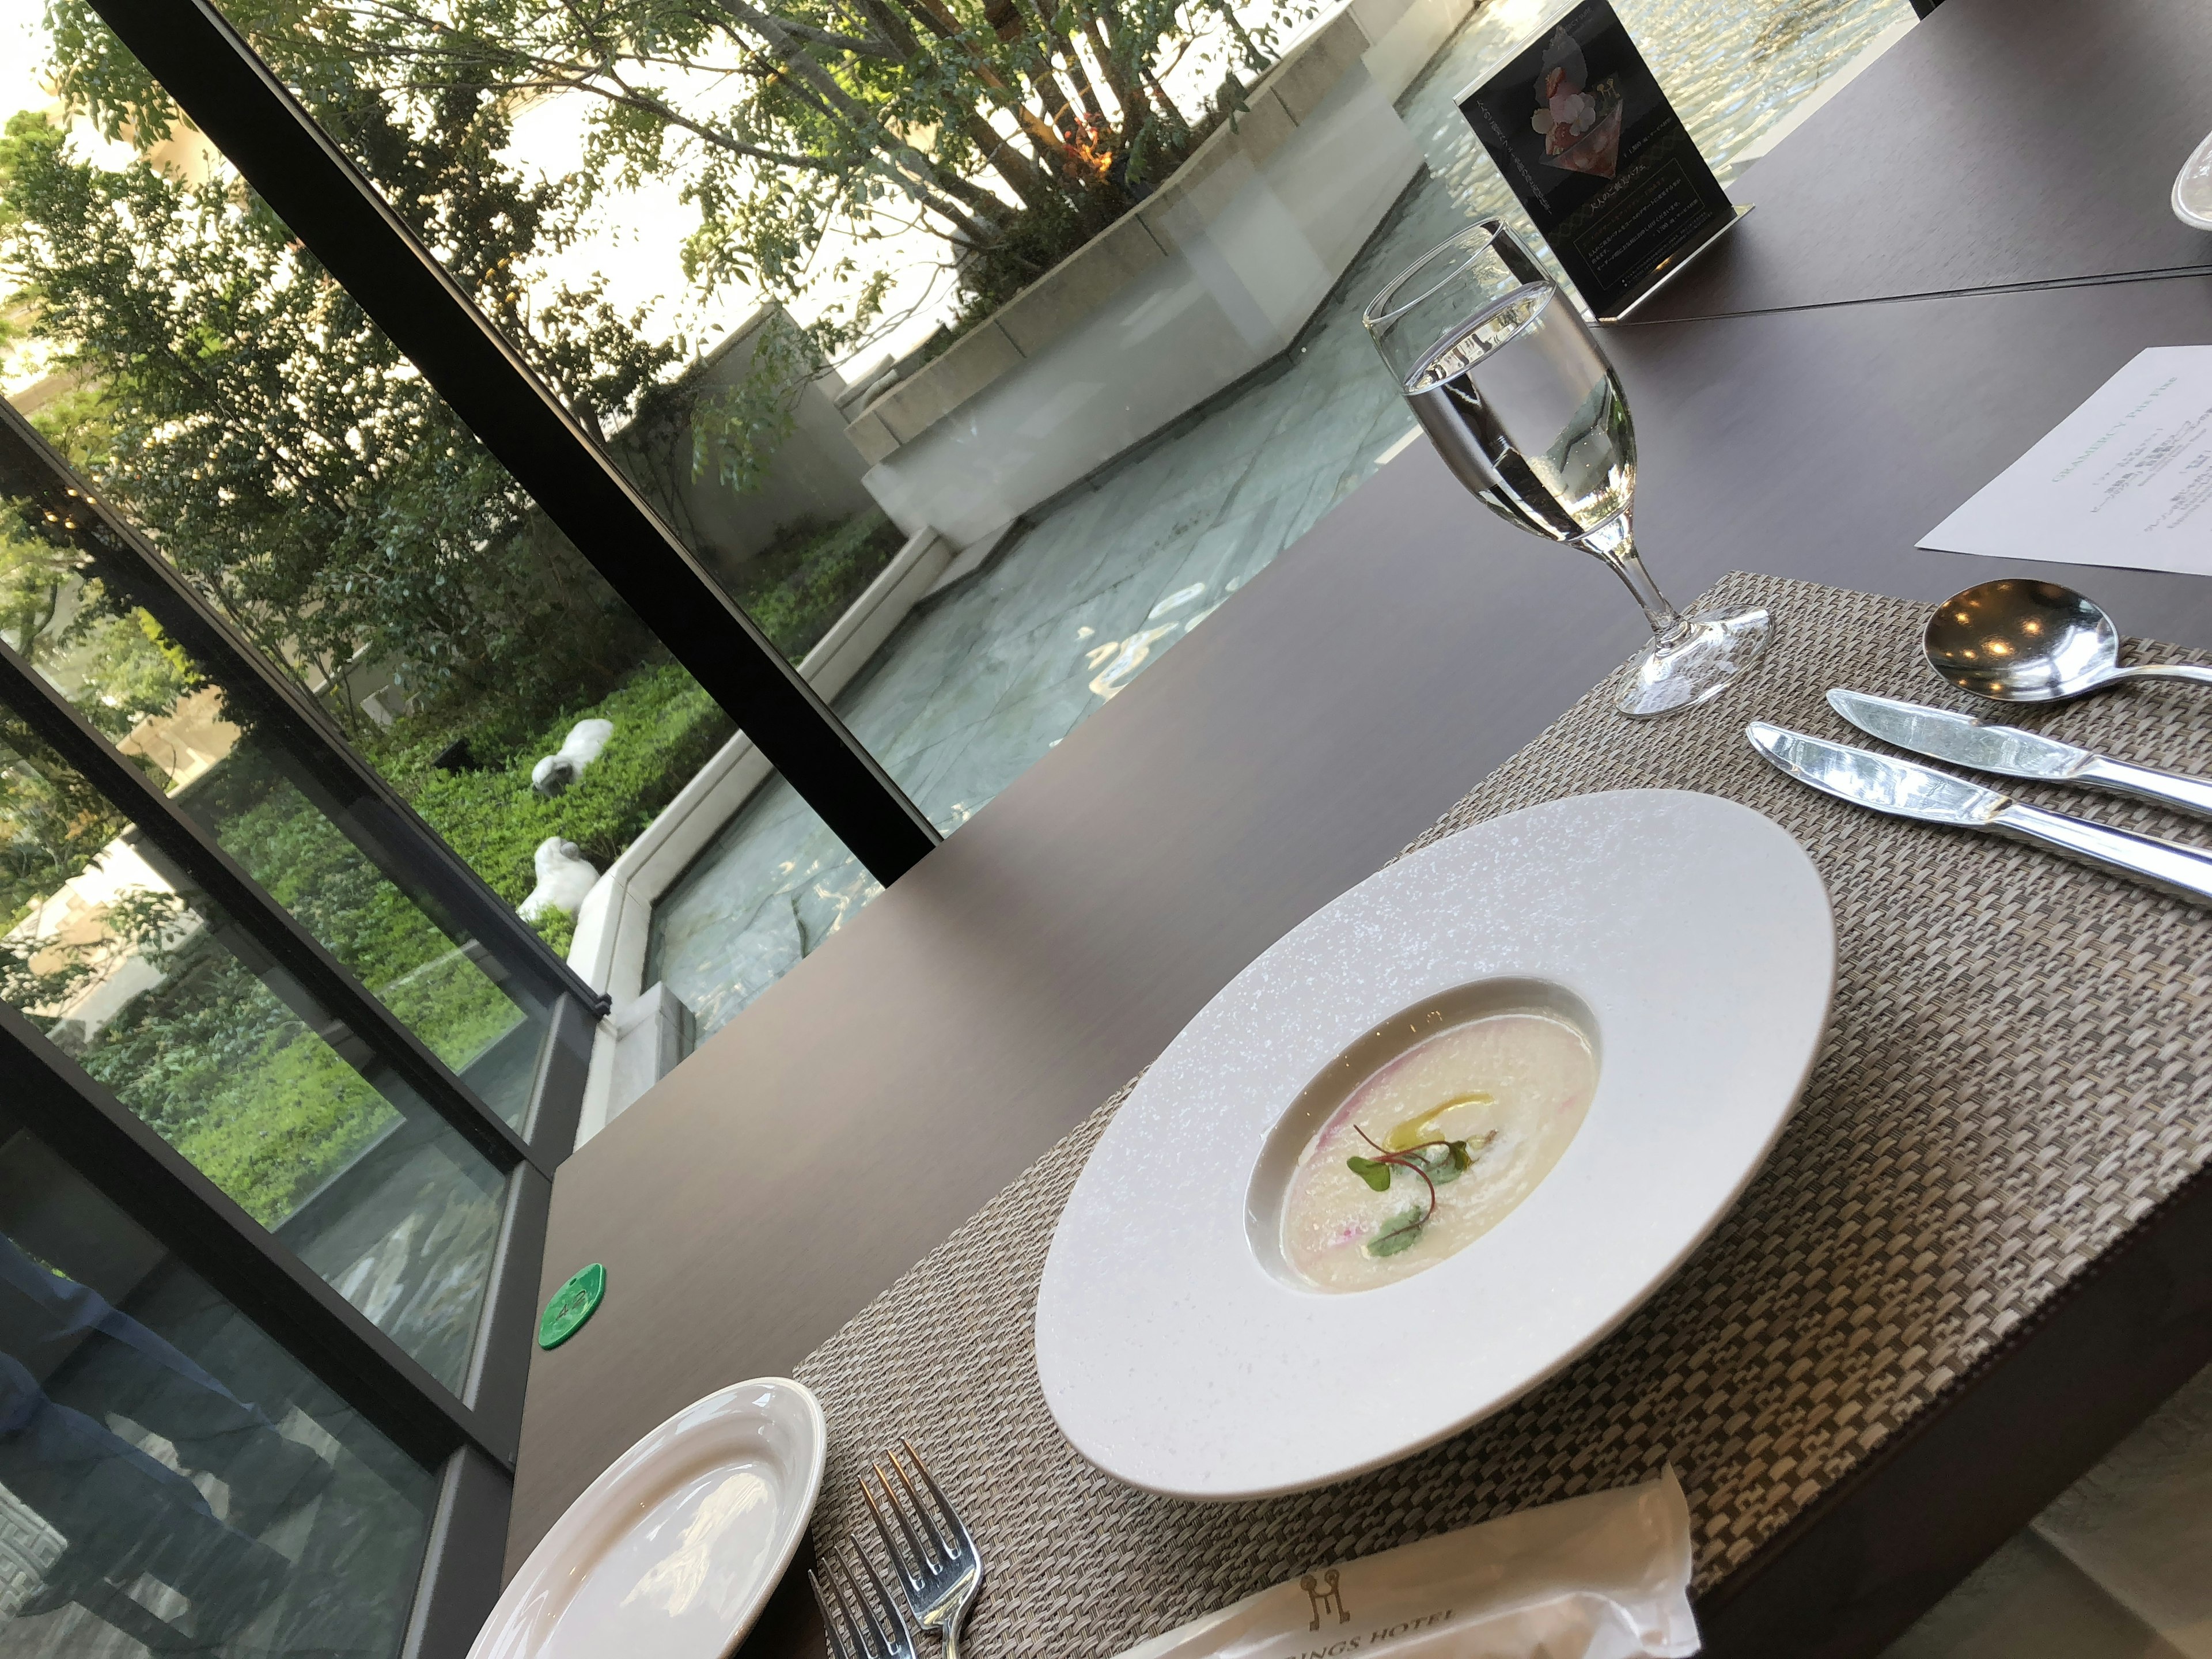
[795, 589]
[231, 1077]
[666, 727]
[310, 868]
[233, 1080]
[558, 929]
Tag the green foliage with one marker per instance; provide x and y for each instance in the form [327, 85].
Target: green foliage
[558, 929]
[114, 659]
[231, 1077]
[209, 1056]
[796, 589]
[276, 446]
[310, 867]
[666, 727]
[784, 122]
[736, 431]
[1400, 1233]
[1373, 1171]
[53, 826]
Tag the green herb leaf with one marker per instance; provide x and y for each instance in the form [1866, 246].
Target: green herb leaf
[1400, 1233]
[1459, 1158]
[1373, 1171]
[1439, 1163]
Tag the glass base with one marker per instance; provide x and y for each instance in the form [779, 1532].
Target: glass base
[1694, 663]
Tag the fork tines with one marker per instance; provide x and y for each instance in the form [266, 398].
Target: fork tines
[864, 1618]
[936, 1543]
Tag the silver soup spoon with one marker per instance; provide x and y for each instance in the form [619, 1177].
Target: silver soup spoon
[2021, 641]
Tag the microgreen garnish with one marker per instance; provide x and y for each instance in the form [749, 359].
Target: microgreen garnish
[1401, 1234]
[1435, 1162]
[1372, 1171]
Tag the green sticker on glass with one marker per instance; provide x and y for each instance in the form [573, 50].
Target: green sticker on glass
[572, 1304]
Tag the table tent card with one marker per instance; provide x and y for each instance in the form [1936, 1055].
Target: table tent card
[2126, 479]
[1579, 127]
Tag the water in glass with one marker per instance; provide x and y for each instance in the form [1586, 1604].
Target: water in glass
[1512, 389]
[1546, 441]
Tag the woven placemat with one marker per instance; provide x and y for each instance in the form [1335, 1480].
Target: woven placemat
[2014, 1074]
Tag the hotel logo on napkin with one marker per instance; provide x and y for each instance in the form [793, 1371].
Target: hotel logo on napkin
[1323, 1600]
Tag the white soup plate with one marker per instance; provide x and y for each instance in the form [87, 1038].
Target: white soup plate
[673, 1551]
[1690, 937]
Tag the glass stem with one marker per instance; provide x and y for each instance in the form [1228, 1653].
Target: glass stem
[1615, 543]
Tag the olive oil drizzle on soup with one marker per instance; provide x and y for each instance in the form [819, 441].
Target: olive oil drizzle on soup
[1435, 1149]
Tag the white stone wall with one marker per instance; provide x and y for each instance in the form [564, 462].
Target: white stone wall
[1213, 276]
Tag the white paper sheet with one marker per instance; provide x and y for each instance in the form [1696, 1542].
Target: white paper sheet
[2126, 479]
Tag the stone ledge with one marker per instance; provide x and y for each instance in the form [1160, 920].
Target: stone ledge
[609, 949]
[1047, 309]
[1378, 17]
[977, 358]
[1304, 78]
[872, 437]
[1050, 307]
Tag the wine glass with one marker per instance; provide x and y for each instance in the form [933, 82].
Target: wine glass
[1524, 407]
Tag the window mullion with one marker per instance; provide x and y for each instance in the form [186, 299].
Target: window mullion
[154, 1184]
[463, 1566]
[332, 992]
[316, 758]
[232, 96]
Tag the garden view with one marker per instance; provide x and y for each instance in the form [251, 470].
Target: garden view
[885, 171]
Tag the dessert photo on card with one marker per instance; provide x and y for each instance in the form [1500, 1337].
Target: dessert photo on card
[1604, 167]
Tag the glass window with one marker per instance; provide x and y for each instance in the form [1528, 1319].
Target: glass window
[169, 1478]
[319, 497]
[980, 350]
[172, 1004]
[81, 607]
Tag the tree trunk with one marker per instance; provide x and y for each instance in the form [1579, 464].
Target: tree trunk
[904, 160]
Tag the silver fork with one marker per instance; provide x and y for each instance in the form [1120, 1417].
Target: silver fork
[864, 1634]
[941, 1568]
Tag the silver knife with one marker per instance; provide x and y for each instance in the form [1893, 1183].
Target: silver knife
[1965, 741]
[1909, 790]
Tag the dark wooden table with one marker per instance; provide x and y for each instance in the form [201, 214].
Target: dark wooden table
[1999, 143]
[1342, 701]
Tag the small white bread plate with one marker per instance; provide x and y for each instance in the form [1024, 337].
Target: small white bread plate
[673, 1552]
[1692, 939]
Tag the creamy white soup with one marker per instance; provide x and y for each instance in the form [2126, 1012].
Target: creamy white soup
[1435, 1149]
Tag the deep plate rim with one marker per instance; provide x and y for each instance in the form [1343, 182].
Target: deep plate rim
[1176, 1373]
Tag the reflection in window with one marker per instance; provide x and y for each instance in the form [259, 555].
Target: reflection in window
[69, 606]
[166, 999]
[169, 1478]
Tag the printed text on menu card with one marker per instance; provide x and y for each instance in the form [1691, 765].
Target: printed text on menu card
[2126, 479]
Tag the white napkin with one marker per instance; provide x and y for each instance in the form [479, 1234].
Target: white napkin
[1604, 1577]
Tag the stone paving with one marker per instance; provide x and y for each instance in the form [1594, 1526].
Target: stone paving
[977, 685]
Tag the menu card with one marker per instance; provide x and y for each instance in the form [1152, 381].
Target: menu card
[2126, 479]
[1607, 170]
